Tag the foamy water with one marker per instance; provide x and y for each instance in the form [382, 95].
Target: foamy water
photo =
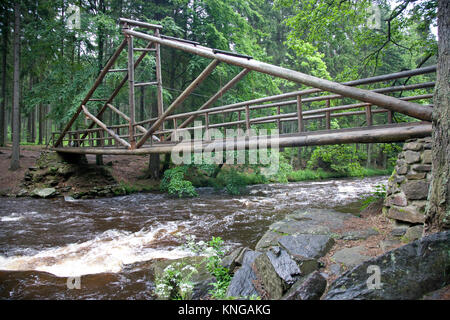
[108, 252]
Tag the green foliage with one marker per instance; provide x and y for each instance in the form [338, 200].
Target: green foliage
[234, 183]
[174, 184]
[127, 188]
[214, 266]
[284, 169]
[351, 45]
[214, 252]
[174, 283]
[342, 159]
[307, 174]
[378, 194]
[391, 150]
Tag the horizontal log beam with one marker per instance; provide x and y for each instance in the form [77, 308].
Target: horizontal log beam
[145, 49]
[143, 84]
[373, 134]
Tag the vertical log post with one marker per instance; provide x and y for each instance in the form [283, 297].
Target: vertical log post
[300, 114]
[328, 116]
[100, 142]
[159, 92]
[110, 140]
[175, 124]
[390, 116]
[247, 119]
[278, 120]
[131, 90]
[239, 119]
[207, 126]
[369, 115]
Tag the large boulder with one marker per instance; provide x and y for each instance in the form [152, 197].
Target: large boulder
[310, 246]
[350, 257]
[408, 272]
[307, 288]
[311, 221]
[277, 272]
[44, 192]
[243, 282]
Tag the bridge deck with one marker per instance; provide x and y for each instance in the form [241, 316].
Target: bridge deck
[371, 134]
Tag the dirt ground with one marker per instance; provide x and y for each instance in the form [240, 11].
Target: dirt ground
[127, 169]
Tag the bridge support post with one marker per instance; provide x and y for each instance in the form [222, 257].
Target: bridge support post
[390, 116]
[247, 119]
[159, 92]
[369, 121]
[300, 114]
[131, 89]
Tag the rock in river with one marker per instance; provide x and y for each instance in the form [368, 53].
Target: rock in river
[44, 192]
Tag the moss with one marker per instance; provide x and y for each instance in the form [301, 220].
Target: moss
[281, 233]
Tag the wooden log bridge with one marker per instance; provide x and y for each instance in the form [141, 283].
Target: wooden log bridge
[303, 118]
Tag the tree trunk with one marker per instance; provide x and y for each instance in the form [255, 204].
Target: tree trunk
[29, 134]
[33, 125]
[154, 164]
[437, 215]
[3, 105]
[16, 91]
[369, 155]
[41, 123]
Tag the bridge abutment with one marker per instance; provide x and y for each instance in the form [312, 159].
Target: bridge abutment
[407, 188]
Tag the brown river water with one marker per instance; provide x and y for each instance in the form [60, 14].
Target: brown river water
[110, 243]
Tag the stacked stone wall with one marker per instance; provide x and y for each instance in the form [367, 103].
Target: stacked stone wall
[407, 189]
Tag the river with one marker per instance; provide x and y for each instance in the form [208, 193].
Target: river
[110, 243]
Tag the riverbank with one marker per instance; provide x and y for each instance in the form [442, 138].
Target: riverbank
[121, 175]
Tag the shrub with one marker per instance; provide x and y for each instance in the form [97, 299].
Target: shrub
[173, 183]
[174, 282]
[214, 253]
[378, 194]
[341, 159]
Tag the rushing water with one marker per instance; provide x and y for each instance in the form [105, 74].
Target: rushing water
[111, 242]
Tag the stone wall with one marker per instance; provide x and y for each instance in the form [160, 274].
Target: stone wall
[407, 188]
